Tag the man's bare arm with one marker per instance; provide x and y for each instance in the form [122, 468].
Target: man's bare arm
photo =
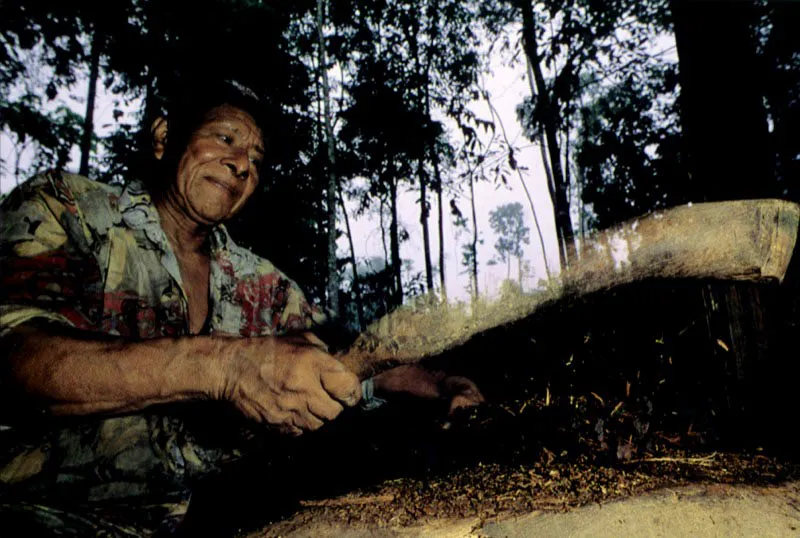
[281, 381]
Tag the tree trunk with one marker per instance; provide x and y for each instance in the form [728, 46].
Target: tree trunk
[88, 122]
[722, 110]
[356, 281]
[438, 188]
[423, 218]
[551, 187]
[394, 238]
[723, 116]
[419, 86]
[737, 323]
[581, 209]
[549, 119]
[784, 42]
[474, 245]
[433, 43]
[332, 188]
[387, 263]
[569, 242]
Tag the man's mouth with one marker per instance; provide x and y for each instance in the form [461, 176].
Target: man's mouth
[222, 185]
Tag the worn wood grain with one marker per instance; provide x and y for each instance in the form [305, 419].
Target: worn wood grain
[750, 240]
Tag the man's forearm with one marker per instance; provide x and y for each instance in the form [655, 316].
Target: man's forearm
[80, 376]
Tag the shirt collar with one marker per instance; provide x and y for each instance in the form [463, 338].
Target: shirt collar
[140, 214]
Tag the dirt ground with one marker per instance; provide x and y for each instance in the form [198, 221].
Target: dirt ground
[702, 511]
[714, 510]
[710, 495]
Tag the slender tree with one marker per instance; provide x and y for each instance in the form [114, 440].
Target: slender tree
[547, 113]
[508, 223]
[474, 243]
[332, 183]
[437, 185]
[88, 124]
[513, 165]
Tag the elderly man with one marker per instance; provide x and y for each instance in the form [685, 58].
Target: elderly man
[114, 300]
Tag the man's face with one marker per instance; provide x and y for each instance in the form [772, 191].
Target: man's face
[219, 169]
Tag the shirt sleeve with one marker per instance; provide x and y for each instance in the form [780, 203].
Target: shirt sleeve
[299, 314]
[47, 271]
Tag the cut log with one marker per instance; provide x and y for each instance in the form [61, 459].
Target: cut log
[749, 240]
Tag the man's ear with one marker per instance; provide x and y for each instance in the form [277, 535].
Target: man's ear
[158, 130]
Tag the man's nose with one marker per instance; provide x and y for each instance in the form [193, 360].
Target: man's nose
[238, 163]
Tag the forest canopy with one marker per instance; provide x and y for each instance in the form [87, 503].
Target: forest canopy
[376, 100]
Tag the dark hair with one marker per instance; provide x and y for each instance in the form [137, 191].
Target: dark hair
[189, 105]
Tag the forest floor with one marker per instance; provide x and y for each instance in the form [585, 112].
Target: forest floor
[728, 495]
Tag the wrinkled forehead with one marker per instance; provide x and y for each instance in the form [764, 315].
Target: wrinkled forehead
[236, 118]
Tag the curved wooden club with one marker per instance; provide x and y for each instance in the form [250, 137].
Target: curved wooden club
[740, 240]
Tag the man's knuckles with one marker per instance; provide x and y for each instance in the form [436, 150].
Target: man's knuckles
[343, 386]
[306, 421]
[327, 409]
[294, 420]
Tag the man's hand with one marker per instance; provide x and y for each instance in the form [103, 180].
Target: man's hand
[417, 381]
[462, 391]
[288, 382]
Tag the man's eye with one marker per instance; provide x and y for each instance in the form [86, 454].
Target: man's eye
[227, 139]
[256, 161]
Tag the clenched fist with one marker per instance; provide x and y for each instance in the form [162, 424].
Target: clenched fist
[290, 382]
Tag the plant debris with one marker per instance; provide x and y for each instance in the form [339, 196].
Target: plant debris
[495, 491]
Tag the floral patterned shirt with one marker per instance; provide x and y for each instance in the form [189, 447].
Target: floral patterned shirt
[94, 257]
